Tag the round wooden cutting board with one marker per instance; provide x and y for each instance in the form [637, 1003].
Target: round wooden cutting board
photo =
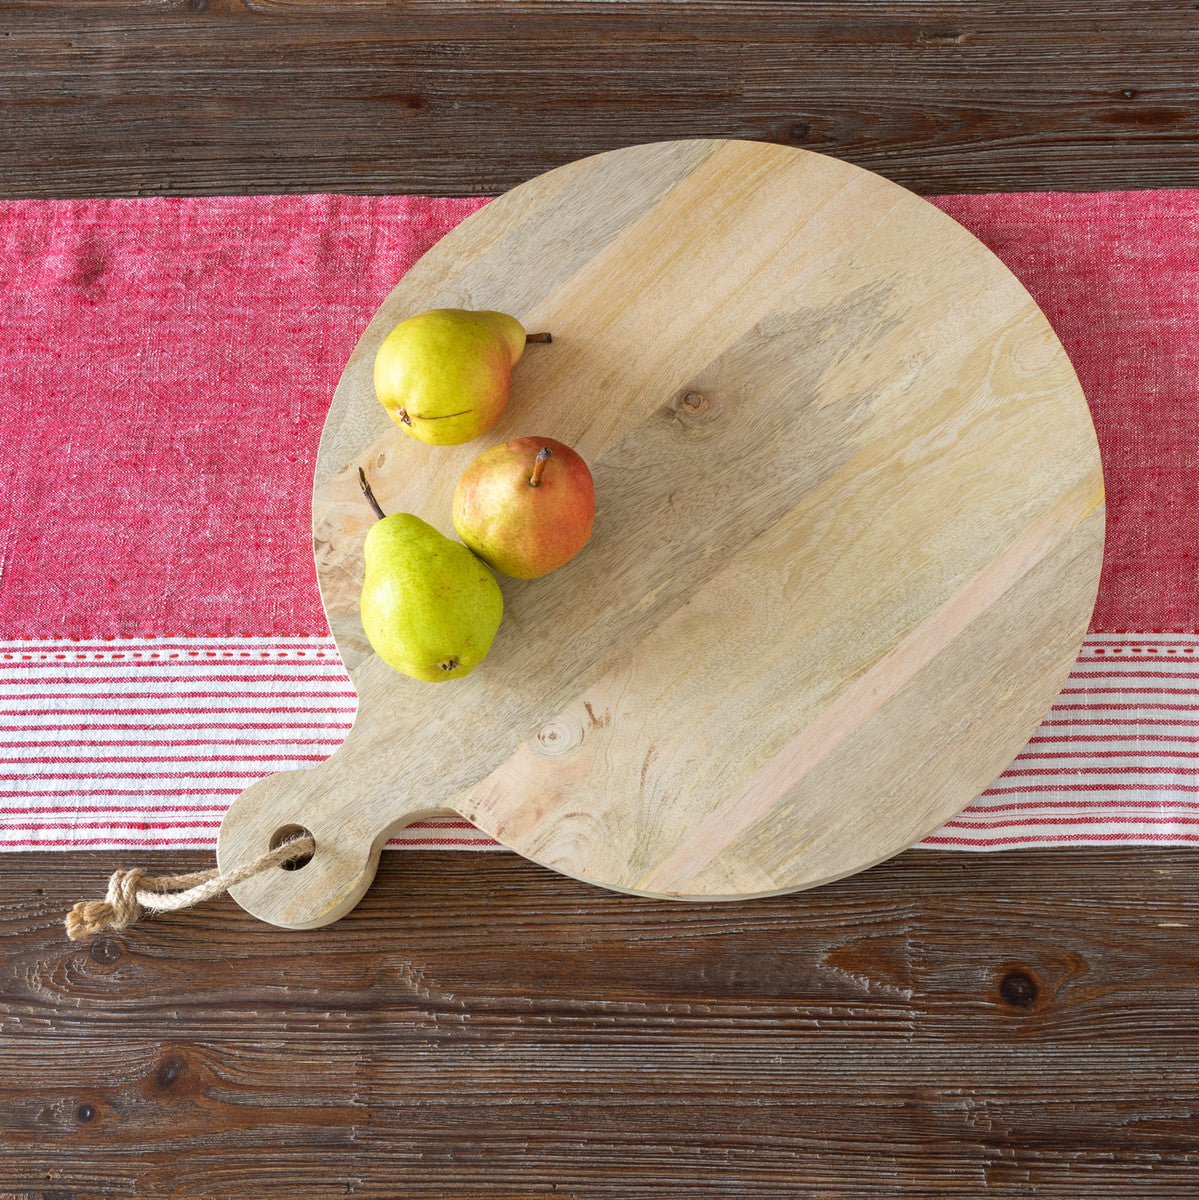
[848, 538]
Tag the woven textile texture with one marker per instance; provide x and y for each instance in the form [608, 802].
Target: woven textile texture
[165, 369]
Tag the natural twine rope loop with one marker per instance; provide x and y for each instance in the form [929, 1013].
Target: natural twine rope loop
[132, 893]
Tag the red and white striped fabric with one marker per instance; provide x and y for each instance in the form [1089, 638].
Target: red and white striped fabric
[165, 368]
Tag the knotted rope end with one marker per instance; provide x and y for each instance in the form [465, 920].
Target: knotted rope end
[118, 910]
[131, 893]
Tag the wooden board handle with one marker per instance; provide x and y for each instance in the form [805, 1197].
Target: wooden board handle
[347, 850]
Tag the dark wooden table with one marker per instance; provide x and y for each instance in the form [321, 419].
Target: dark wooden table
[1015, 1024]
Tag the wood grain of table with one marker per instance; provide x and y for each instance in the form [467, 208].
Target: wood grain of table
[946, 1024]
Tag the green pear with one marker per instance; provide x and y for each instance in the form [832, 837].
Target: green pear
[429, 607]
[443, 375]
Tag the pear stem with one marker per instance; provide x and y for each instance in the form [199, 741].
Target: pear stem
[370, 496]
[539, 466]
[539, 337]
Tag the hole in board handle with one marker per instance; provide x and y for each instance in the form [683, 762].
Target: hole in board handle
[285, 834]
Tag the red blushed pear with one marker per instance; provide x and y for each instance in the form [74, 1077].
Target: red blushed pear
[525, 507]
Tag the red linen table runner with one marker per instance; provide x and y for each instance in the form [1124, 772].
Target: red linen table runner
[165, 370]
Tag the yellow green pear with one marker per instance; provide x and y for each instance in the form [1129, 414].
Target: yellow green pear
[430, 608]
[443, 375]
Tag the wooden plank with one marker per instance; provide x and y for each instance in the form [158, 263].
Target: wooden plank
[470, 98]
[849, 1039]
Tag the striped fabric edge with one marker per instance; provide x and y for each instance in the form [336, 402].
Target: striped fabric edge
[1115, 762]
[143, 743]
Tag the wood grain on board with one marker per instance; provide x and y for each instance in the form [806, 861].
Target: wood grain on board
[849, 530]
